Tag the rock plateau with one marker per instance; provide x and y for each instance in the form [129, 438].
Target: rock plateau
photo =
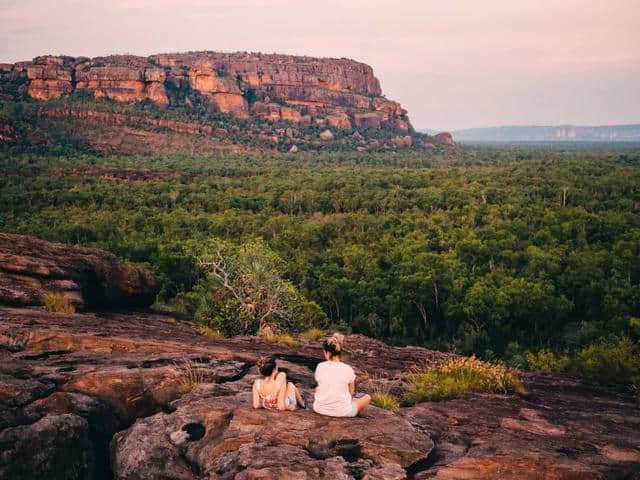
[340, 92]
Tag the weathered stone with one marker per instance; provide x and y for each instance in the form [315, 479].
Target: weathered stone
[367, 120]
[444, 138]
[327, 89]
[326, 135]
[30, 268]
[111, 368]
[403, 142]
[54, 447]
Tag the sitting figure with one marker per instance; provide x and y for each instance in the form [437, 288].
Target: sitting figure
[273, 392]
[336, 383]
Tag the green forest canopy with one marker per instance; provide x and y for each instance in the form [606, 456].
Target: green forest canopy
[484, 250]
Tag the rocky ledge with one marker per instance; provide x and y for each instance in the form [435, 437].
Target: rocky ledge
[31, 268]
[339, 93]
[109, 395]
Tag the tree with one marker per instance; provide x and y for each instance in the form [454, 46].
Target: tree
[250, 274]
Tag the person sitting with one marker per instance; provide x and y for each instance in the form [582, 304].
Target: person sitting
[272, 391]
[336, 383]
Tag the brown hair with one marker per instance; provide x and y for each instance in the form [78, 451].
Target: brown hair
[266, 365]
[334, 344]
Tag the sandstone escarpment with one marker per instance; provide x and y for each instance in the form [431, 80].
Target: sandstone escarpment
[340, 92]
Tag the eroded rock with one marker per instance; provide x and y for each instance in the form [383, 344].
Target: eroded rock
[31, 268]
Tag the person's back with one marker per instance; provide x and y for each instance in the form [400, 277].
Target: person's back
[336, 383]
[332, 395]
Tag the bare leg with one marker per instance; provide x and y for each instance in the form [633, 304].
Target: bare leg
[292, 392]
[299, 398]
[362, 402]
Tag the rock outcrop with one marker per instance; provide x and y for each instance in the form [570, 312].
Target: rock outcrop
[143, 396]
[340, 92]
[30, 268]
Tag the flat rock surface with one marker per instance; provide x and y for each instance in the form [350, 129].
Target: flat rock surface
[143, 396]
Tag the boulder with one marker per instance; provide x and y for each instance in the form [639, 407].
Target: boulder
[30, 268]
[54, 447]
[444, 138]
[403, 142]
[326, 135]
[367, 120]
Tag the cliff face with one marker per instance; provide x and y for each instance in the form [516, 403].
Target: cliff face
[341, 93]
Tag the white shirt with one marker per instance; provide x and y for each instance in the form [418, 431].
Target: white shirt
[332, 394]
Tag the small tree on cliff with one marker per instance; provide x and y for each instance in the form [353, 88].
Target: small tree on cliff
[247, 279]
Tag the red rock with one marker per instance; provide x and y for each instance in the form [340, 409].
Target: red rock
[445, 138]
[403, 142]
[339, 120]
[336, 89]
[367, 120]
[326, 135]
[30, 268]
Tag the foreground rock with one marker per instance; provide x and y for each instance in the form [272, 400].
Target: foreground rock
[144, 397]
[30, 268]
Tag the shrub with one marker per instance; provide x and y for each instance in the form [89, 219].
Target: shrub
[312, 335]
[209, 332]
[57, 302]
[283, 339]
[546, 360]
[385, 400]
[460, 376]
[608, 361]
[617, 362]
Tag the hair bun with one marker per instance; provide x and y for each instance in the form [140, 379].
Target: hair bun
[337, 340]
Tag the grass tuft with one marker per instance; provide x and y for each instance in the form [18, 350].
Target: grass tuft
[312, 335]
[385, 400]
[283, 339]
[189, 375]
[57, 302]
[207, 331]
[459, 376]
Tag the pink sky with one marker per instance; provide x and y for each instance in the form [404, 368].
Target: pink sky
[452, 64]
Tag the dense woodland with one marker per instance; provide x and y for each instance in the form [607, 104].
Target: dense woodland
[496, 251]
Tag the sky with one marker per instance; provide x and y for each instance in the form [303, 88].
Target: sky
[451, 63]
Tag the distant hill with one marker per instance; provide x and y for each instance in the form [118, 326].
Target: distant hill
[532, 133]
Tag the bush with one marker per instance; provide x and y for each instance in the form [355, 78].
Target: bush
[57, 302]
[546, 360]
[460, 376]
[608, 361]
[385, 400]
[312, 335]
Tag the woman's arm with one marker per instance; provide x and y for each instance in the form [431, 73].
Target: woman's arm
[352, 387]
[256, 397]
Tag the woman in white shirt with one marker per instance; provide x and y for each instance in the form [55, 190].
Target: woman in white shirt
[336, 383]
